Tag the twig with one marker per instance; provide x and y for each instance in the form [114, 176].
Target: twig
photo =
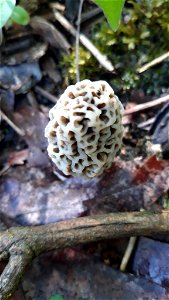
[77, 40]
[128, 253]
[146, 124]
[12, 124]
[32, 100]
[58, 6]
[4, 169]
[22, 244]
[153, 63]
[147, 105]
[102, 59]
[88, 16]
[45, 94]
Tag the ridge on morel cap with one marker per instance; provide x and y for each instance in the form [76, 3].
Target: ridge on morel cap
[85, 129]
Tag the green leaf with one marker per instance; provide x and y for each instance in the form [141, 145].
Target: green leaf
[112, 10]
[20, 15]
[6, 9]
[56, 297]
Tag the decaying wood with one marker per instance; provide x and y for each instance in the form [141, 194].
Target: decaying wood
[21, 244]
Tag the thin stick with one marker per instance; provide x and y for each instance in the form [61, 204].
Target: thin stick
[146, 123]
[88, 16]
[32, 100]
[102, 59]
[5, 168]
[153, 63]
[77, 40]
[128, 253]
[46, 94]
[147, 105]
[12, 124]
[58, 6]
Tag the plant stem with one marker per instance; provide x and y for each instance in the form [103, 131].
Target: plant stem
[77, 40]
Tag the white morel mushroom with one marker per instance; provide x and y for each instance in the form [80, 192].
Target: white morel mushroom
[85, 129]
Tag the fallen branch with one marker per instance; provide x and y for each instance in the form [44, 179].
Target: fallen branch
[21, 244]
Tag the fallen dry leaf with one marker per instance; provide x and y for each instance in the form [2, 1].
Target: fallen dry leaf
[17, 157]
[151, 167]
[36, 196]
[33, 122]
[131, 185]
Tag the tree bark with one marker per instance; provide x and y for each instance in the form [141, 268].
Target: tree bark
[21, 244]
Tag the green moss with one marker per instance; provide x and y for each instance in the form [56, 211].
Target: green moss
[87, 65]
[141, 37]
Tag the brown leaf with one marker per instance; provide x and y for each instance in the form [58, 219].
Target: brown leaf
[18, 157]
[130, 186]
[33, 122]
[49, 33]
[150, 168]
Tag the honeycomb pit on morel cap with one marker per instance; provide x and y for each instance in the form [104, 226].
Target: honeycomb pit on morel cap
[85, 129]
